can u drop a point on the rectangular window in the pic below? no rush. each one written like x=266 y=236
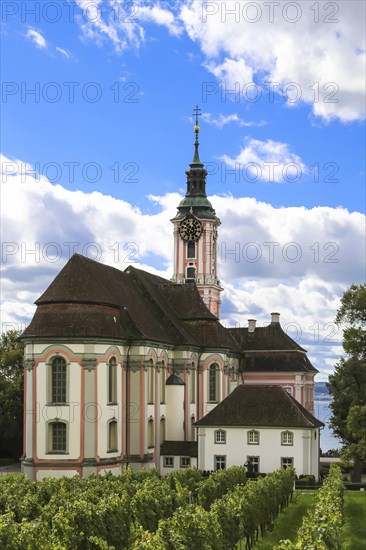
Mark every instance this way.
x=253 y=438
x=287 y=461
x=288 y=389
x=58 y=383
x=220 y=462
x=168 y=461
x=191 y=250
x=213 y=386
x=58 y=437
x=112 y=436
x=162 y=384
x=220 y=436
x=253 y=464
x=150 y=382
x=185 y=461
x=192 y=375
x=112 y=382
x=287 y=438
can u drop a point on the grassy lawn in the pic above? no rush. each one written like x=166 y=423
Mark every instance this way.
x=355 y=511
x=289 y=521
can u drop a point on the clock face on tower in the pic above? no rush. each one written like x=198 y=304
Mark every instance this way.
x=190 y=229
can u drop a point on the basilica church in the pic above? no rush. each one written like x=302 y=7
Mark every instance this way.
x=125 y=368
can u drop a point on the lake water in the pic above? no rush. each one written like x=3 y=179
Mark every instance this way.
x=327 y=439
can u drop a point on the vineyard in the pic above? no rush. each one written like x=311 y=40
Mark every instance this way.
x=323 y=527
x=180 y=511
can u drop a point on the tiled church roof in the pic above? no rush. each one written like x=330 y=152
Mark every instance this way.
x=260 y=406
x=90 y=299
x=270 y=349
x=264 y=338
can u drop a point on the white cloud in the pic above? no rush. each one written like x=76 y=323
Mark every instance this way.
x=267 y=161
x=122 y=22
x=306 y=292
x=160 y=16
x=322 y=53
x=221 y=120
x=37 y=38
x=63 y=52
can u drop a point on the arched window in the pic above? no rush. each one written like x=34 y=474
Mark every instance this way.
x=112 y=436
x=191 y=273
x=112 y=381
x=57 y=437
x=150 y=433
x=58 y=380
x=192 y=385
x=193 y=428
x=220 y=436
x=287 y=438
x=253 y=437
x=213 y=383
x=162 y=382
x=162 y=430
x=150 y=382
x=191 y=250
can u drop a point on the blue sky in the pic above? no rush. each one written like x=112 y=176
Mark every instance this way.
x=301 y=161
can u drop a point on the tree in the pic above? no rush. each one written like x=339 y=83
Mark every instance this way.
x=11 y=395
x=347 y=385
x=353 y=313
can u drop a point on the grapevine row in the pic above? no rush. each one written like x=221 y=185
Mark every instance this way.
x=323 y=527
x=100 y=512
x=239 y=514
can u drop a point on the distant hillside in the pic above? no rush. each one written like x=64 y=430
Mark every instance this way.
x=321 y=392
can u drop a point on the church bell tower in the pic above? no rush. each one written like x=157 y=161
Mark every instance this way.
x=195 y=235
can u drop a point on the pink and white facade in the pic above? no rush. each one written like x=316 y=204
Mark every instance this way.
x=103 y=345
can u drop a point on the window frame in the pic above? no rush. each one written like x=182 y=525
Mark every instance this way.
x=287 y=443
x=162 y=383
x=150 y=433
x=216 y=459
x=50 y=437
x=255 y=433
x=150 y=383
x=251 y=463
x=112 y=382
x=191 y=270
x=217 y=432
x=162 y=429
x=192 y=385
x=213 y=368
x=191 y=244
x=165 y=458
x=182 y=458
x=284 y=458
x=52 y=366
x=112 y=437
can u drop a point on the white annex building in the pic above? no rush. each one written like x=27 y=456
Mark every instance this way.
x=125 y=368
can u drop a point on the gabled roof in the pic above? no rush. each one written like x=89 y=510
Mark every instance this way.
x=259 y=406
x=179 y=448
